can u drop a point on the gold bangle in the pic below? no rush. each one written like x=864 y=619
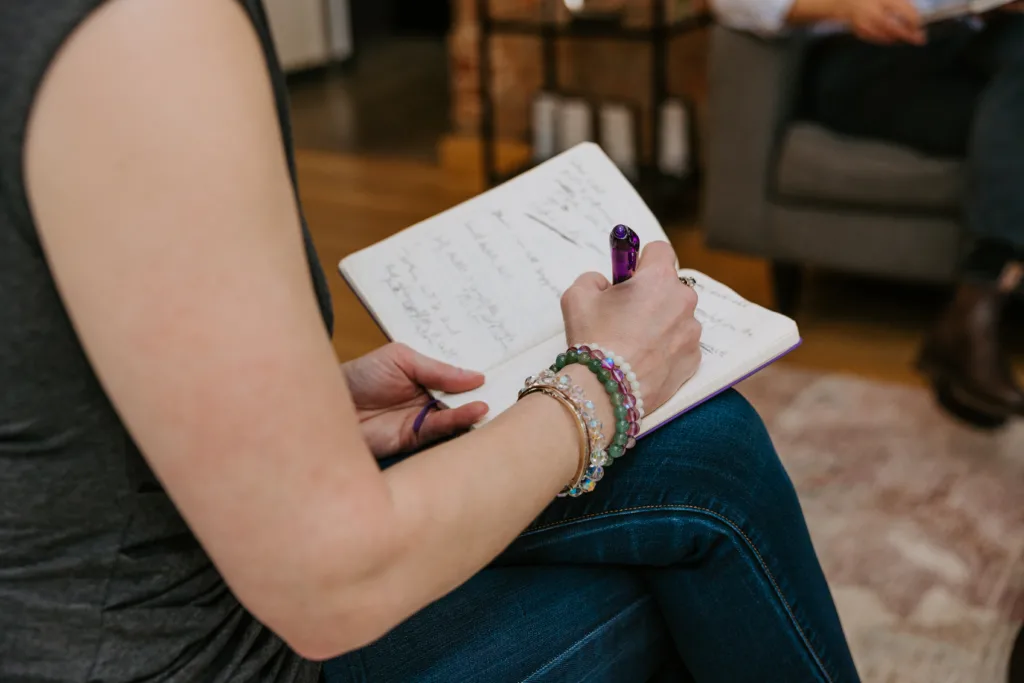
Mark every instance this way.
x=581 y=425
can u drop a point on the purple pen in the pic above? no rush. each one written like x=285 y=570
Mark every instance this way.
x=625 y=248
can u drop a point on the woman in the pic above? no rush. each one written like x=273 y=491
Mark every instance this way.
x=188 y=486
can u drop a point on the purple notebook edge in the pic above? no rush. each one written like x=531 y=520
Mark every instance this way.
x=722 y=390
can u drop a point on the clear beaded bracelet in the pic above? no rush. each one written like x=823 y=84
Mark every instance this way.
x=594 y=457
x=584 y=435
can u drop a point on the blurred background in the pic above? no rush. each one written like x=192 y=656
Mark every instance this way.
x=918 y=516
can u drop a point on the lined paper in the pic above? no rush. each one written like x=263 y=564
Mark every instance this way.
x=482 y=282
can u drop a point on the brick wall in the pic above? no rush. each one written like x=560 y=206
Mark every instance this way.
x=610 y=69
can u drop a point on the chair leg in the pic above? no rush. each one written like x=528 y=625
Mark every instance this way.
x=1016 y=673
x=787 y=284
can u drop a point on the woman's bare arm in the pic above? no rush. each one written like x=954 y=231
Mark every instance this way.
x=159 y=185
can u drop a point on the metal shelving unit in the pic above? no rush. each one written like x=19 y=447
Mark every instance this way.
x=665 y=193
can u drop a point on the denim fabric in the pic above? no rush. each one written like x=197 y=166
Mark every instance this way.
x=960 y=95
x=690 y=562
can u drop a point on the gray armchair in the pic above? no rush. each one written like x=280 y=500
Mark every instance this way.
x=800 y=195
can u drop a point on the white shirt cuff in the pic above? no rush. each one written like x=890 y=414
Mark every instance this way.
x=766 y=17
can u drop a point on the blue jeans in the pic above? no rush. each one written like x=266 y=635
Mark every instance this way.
x=690 y=562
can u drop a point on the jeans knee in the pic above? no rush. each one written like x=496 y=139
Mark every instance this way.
x=726 y=428
x=722 y=454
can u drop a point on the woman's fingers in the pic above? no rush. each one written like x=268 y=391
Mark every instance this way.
x=437 y=375
x=889 y=21
x=905 y=13
x=900 y=21
x=657 y=254
x=592 y=281
x=440 y=424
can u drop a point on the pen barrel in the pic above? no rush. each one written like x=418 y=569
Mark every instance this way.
x=625 y=246
x=623 y=265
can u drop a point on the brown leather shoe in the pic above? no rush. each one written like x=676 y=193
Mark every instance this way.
x=967 y=362
x=1016 y=673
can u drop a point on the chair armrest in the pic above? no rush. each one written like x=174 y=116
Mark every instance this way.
x=753 y=90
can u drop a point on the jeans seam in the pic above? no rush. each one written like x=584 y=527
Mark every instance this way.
x=588 y=636
x=728 y=522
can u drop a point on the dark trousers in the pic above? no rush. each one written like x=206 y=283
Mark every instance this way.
x=690 y=562
x=960 y=95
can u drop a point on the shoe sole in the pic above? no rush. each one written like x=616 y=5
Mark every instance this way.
x=961 y=403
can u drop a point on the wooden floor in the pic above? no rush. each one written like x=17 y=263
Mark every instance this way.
x=352 y=202
x=866 y=327
x=393 y=101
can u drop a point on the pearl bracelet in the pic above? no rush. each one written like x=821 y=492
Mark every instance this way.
x=629 y=376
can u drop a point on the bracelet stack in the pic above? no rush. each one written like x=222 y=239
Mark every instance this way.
x=593 y=456
x=623 y=389
x=621 y=385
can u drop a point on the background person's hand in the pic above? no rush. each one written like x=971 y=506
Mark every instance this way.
x=389 y=387
x=883 y=21
x=648 y=320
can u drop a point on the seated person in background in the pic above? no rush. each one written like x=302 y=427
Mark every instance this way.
x=954 y=89
x=190 y=487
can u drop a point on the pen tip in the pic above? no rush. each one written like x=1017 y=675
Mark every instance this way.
x=620 y=231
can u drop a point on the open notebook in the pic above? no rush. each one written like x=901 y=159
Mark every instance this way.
x=479 y=285
x=938 y=10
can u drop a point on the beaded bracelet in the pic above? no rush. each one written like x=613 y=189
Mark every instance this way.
x=574 y=483
x=593 y=456
x=575 y=394
x=622 y=386
x=628 y=381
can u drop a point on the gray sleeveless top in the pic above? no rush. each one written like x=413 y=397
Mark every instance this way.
x=100 y=579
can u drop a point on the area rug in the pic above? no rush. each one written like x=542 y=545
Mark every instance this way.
x=918 y=522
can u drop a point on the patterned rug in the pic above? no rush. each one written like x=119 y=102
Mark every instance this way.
x=918 y=522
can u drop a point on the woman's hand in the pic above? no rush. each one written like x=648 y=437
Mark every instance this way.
x=883 y=21
x=647 y=319
x=389 y=387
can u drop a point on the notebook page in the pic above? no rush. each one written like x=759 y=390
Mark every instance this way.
x=737 y=338
x=501 y=389
x=481 y=283
x=934 y=10
x=982 y=6
x=937 y=10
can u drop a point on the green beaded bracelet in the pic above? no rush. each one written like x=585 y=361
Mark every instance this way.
x=574 y=356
